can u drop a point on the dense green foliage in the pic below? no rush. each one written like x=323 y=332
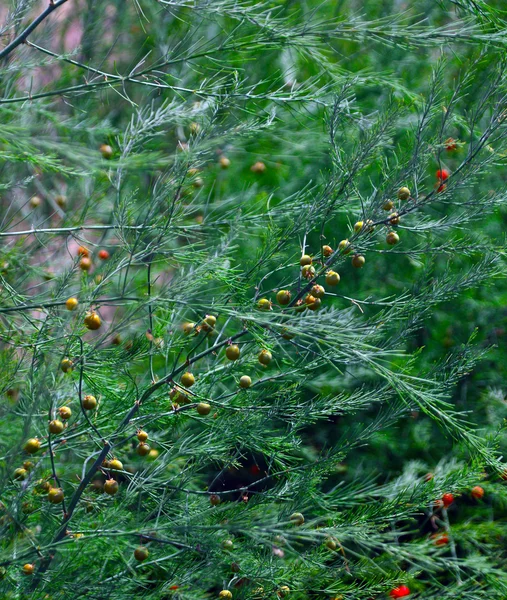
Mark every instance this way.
x=167 y=164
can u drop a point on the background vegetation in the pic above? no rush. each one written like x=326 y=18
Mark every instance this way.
x=167 y=164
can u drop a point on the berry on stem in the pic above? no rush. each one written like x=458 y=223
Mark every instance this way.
x=297 y=518
x=306 y=259
x=20 y=474
x=214 y=499
x=283 y=297
x=66 y=365
x=115 y=465
x=106 y=151
x=332 y=278
x=71 y=303
x=258 y=167
x=477 y=492
x=358 y=226
x=141 y=553
x=394 y=218
x=225 y=595
x=358 y=261
x=89 y=402
x=447 y=499
x=103 y=254
x=187 y=379
x=32 y=446
x=312 y=303
x=264 y=304
x=400 y=592
x=55 y=495
x=143 y=449
x=28 y=569
x=203 y=408
x=308 y=271
x=327 y=251
x=388 y=205
x=317 y=291
x=392 y=238
x=92 y=321
x=403 y=193
x=142 y=436
x=85 y=264
x=232 y=352
x=111 y=487
x=56 y=426
x=265 y=357
x=245 y=381
x=345 y=247
x=442 y=174
x=209 y=323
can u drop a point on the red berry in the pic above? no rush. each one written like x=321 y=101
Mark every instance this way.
x=442 y=174
x=400 y=592
x=447 y=499
x=103 y=254
x=440 y=539
x=450 y=144
x=477 y=492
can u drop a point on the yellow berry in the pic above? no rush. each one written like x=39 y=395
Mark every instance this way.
x=245 y=381
x=89 y=402
x=305 y=260
x=55 y=495
x=392 y=238
x=317 y=291
x=66 y=365
x=187 y=379
x=92 y=320
x=404 y=193
x=332 y=278
x=297 y=518
x=283 y=297
x=358 y=226
x=142 y=436
x=265 y=357
x=345 y=247
x=32 y=446
x=388 y=205
x=264 y=304
x=358 y=261
x=71 y=303
x=116 y=465
x=308 y=271
x=143 y=449
x=56 y=426
x=327 y=251
x=111 y=487
x=232 y=352
x=203 y=408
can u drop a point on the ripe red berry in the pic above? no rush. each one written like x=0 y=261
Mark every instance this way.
x=400 y=592
x=477 y=492
x=442 y=174
x=440 y=539
x=447 y=499
x=103 y=254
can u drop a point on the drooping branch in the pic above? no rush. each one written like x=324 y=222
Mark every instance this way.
x=24 y=34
